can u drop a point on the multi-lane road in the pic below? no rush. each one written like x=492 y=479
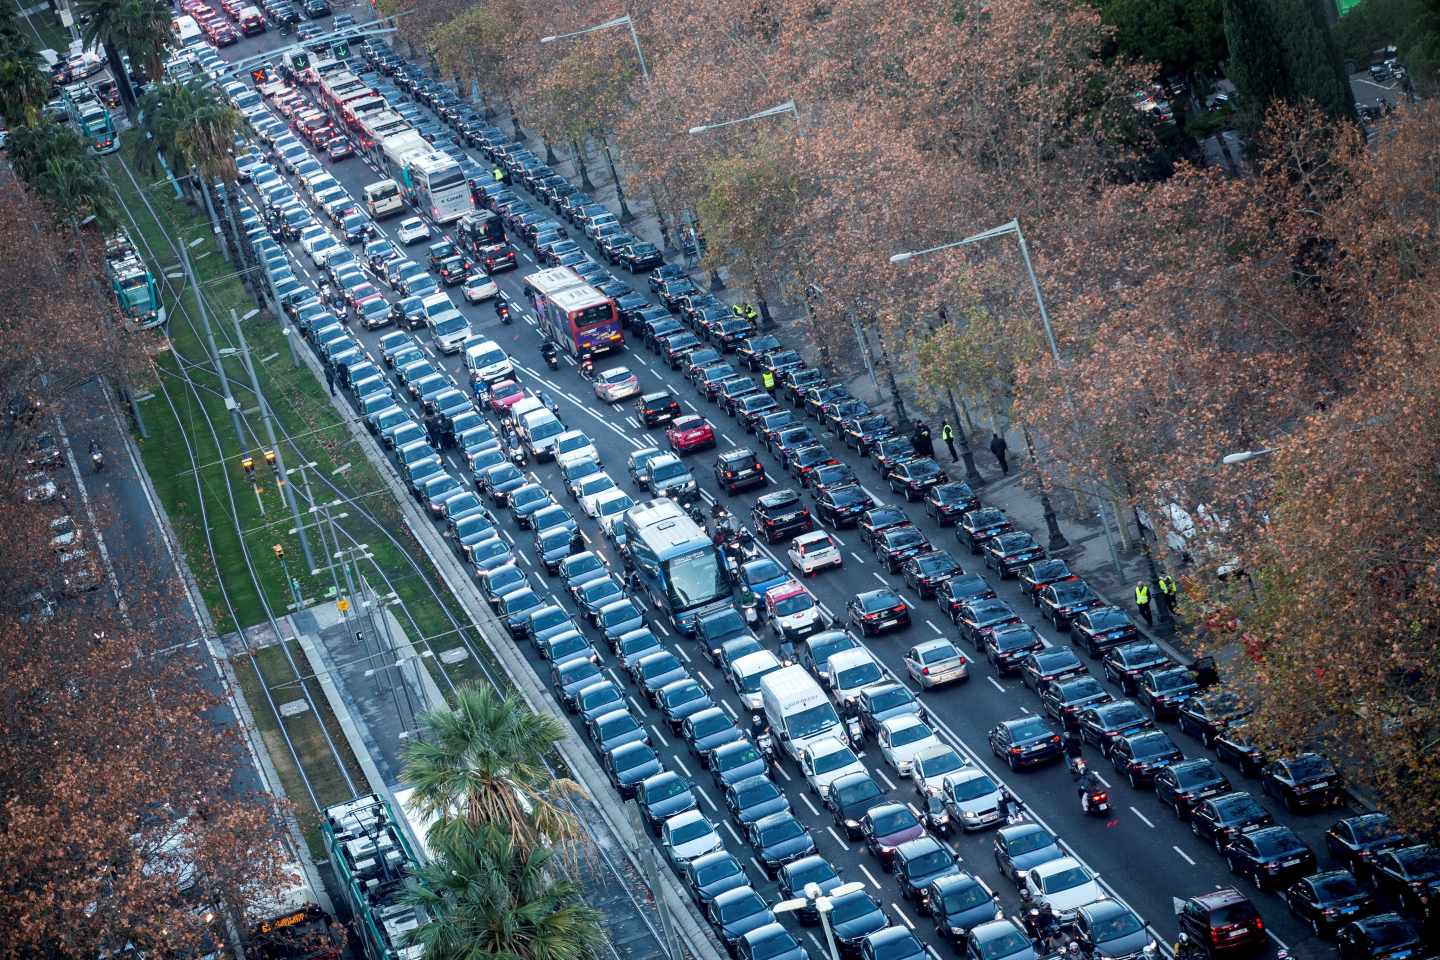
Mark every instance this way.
x=1141 y=853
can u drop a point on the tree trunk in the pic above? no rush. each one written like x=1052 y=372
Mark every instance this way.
x=122 y=81
x=585 y=182
x=210 y=217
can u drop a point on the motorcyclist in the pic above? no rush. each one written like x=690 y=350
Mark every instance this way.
x=502 y=310
x=587 y=365
x=1187 y=949
x=1091 y=787
x=549 y=351
x=1074 y=756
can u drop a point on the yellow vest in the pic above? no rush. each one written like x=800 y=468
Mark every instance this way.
x=1142 y=594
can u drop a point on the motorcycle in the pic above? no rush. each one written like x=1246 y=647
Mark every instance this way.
x=551 y=353
x=935 y=816
x=1078 y=767
x=855 y=731
x=1095 y=800
x=518 y=457
x=502 y=310
x=96 y=457
x=750 y=609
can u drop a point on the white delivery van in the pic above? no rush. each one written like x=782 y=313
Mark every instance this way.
x=382 y=199
x=488 y=362
x=797 y=709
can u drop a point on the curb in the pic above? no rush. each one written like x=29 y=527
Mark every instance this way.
x=697 y=937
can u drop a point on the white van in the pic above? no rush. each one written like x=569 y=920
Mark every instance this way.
x=488 y=362
x=435 y=304
x=797 y=709
x=186 y=31
x=747 y=673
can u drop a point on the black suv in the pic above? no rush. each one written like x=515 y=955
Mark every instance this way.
x=779 y=515
x=739 y=469
x=658 y=408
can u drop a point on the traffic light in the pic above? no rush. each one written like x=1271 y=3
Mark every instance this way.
x=279 y=551
x=270 y=459
x=260 y=75
x=341 y=50
x=247 y=463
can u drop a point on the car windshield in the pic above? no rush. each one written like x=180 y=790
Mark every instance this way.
x=932 y=862
x=1122 y=715
x=1080 y=689
x=1065 y=879
x=973 y=788
x=834 y=760
x=630 y=759
x=878 y=600
x=1151 y=745
x=757 y=793
x=1238 y=807
x=695 y=579
x=1277 y=843
x=1029 y=728
x=1420 y=863
x=1371 y=828
x=1390 y=934
x=1310 y=767
x=787 y=828
x=718 y=870
x=1115 y=926
x=893 y=820
x=619 y=613
x=889 y=699
x=914 y=733
x=693 y=830
x=964 y=897
x=851 y=907
x=668 y=471
x=1006 y=944
x=858 y=675
x=741 y=907
x=1029 y=842
x=796 y=604
x=1024 y=637
x=814 y=720
x=621 y=723
x=737 y=758
x=1108 y=619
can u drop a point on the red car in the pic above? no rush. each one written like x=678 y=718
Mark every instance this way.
x=505 y=395
x=690 y=433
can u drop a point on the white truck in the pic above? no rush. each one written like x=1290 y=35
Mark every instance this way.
x=797 y=710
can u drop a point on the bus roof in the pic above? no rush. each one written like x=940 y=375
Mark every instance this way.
x=665 y=528
x=578 y=298
x=430 y=162
x=554 y=279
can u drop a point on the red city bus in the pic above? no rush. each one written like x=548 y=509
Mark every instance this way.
x=573 y=314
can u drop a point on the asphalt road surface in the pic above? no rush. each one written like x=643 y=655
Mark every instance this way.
x=1141 y=852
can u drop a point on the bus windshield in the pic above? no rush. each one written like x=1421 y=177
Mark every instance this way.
x=589 y=316
x=695 y=579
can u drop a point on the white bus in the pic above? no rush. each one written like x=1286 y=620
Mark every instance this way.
x=439 y=187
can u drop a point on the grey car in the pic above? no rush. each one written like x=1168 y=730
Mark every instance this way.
x=1108 y=930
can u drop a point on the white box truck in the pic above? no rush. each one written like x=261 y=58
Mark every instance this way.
x=798 y=711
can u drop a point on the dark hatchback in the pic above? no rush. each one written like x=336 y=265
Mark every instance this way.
x=842 y=506
x=961 y=590
x=978 y=526
x=1064 y=699
x=1140 y=756
x=658 y=408
x=948 y=502
x=1125 y=664
x=853 y=917
x=1163 y=690
x=779 y=515
x=1220 y=819
x=778 y=839
x=1008 y=646
x=1104 y=723
x=926 y=572
x=958 y=903
x=1042 y=573
x=711 y=875
x=875 y=611
x=1102 y=629
x=1024 y=742
x=739 y=469
x=1303 y=782
x=893 y=547
x=1326 y=901
x=1184 y=785
x=1008 y=552
x=1062 y=602
x=1223 y=921
x=1270 y=857
x=850 y=797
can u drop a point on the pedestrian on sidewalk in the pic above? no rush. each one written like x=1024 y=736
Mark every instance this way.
x=330 y=380
x=921 y=440
x=999 y=447
x=1169 y=592
x=1142 y=602
x=947 y=433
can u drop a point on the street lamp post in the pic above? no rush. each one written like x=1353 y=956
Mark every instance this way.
x=823 y=904
x=1052 y=524
x=716 y=283
x=623 y=21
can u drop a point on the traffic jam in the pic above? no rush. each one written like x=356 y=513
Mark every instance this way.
x=813 y=660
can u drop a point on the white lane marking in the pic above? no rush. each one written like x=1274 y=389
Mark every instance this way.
x=908 y=922
x=869 y=876
x=683 y=655
x=831 y=831
x=781 y=770
x=732 y=831
x=1183 y=855
x=889 y=784
x=708 y=802
x=725 y=705
x=858 y=558
x=1143 y=819
x=805 y=797
x=706 y=680
x=931 y=625
x=996 y=684
x=681 y=764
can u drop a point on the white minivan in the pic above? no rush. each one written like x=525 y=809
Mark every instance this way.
x=488 y=362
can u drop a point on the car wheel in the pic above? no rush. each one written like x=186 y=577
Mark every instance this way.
x=1134 y=781
x=1010 y=762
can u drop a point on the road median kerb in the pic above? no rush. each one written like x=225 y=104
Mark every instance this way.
x=695 y=935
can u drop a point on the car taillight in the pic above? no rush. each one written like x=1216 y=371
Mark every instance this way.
x=898 y=608
x=1101 y=797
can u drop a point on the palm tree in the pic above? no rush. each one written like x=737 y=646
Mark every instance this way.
x=139 y=28
x=193 y=128
x=485 y=895
x=57 y=164
x=483 y=761
x=24 y=87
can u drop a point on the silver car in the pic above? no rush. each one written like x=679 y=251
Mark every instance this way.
x=936 y=662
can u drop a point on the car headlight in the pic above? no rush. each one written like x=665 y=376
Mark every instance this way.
x=852 y=824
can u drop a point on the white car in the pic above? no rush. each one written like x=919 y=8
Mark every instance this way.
x=478 y=287
x=851 y=671
x=903 y=737
x=590 y=490
x=932 y=765
x=412 y=230
x=813 y=551
x=322 y=247
x=616 y=384
x=687 y=836
x=1064 y=884
x=312 y=235
x=972 y=799
x=825 y=761
x=575 y=442
x=746 y=673
x=792 y=611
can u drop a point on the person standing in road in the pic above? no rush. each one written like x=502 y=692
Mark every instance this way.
x=767 y=380
x=999 y=448
x=1142 y=602
x=947 y=433
x=498 y=175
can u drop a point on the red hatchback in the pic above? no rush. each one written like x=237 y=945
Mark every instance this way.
x=690 y=433
x=505 y=395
